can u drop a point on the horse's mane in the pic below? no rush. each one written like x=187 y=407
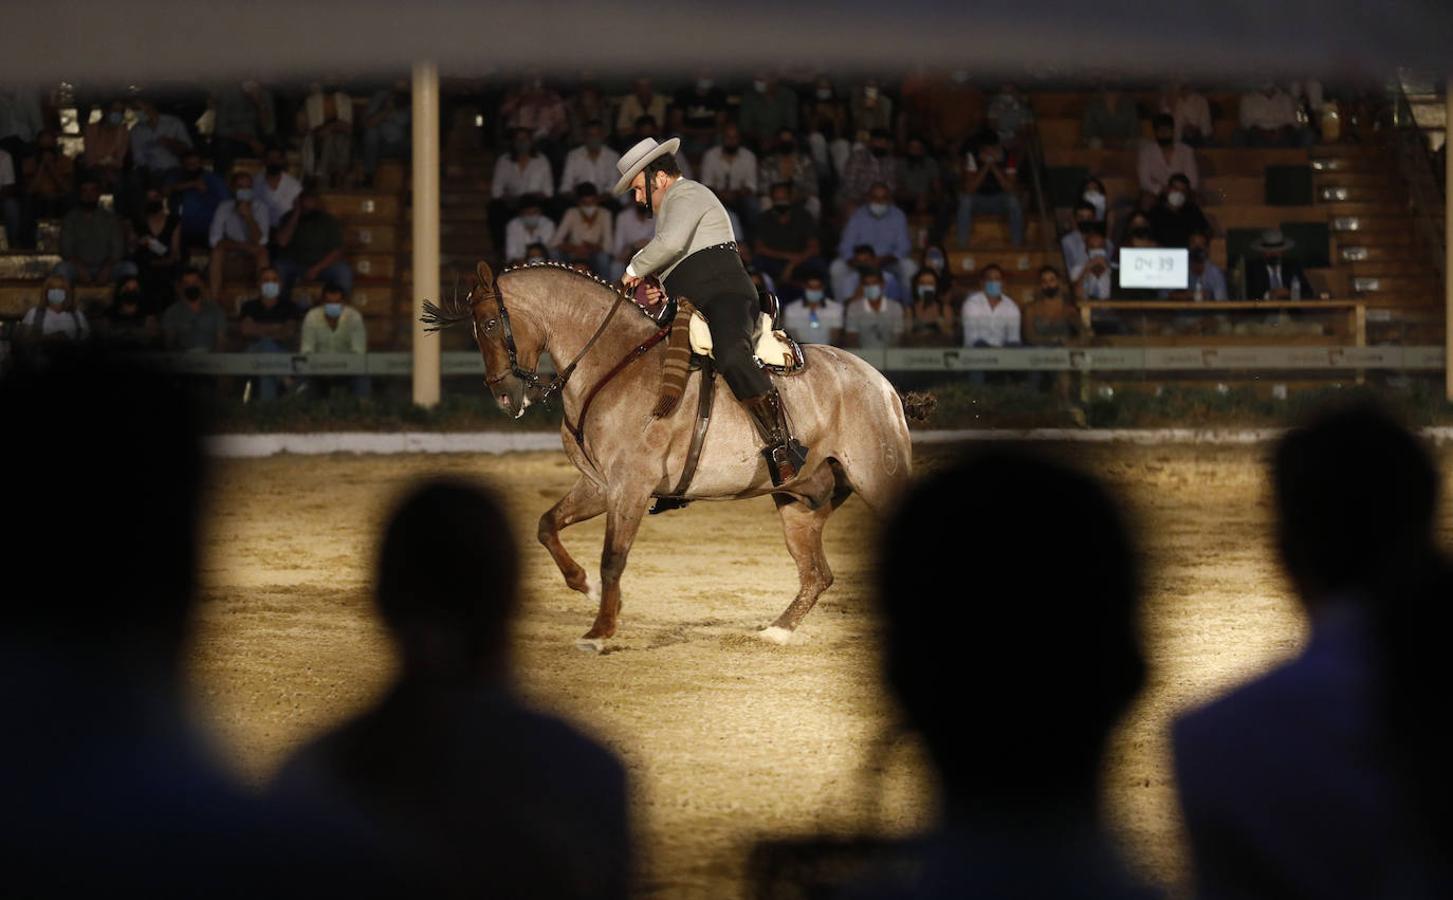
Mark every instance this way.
x=453 y=310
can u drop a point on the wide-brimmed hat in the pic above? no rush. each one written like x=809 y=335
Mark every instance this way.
x=1271 y=239
x=640 y=156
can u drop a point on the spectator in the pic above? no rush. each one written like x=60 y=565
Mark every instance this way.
x=1111 y=120
x=1094 y=279
x=509 y=802
x=844 y=275
x=932 y=321
x=589 y=105
x=523 y=172
x=245 y=122
x=633 y=230
x=584 y=235
x=194 y=322
x=531 y=226
x=334 y=326
x=128 y=323
x=326 y=122
x=50 y=180
x=698 y=114
x=92 y=250
x=871 y=320
x=591 y=163
x=730 y=170
x=1269 y=119
x=108 y=144
x=239 y=228
x=1176 y=215
x=884 y=228
x=920 y=187
x=990 y=317
x=21 y=122
x=641 y=101
x=539 y=112
x=269 y=324
x=158 y=143
x=1191 y=113
x=277 y=190
x=55 y=319
x=816 y=318
x=955 y=110
x=1009 y=115
x=536 y=252
x=1050 y=321
x=9 y=199
x=827 y=128
x=195 y=195
x=786 y=246
x=766 y=111
x=310 y=246
x=989 y=185
x=1308 y=805
x=1275 y=276
x=871 y=109
x=157 y=251
x=867 y=166
x=788 y=163
x=1206 y=281
x=1019 y=792
x=387 y=127
x=1137 y=225
x=1157 y=161
x=1074 y=245
x=1093 y=192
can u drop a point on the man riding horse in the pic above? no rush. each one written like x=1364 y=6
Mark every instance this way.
x=694 y=255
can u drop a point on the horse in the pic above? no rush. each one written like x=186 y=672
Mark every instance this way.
x=843 y=409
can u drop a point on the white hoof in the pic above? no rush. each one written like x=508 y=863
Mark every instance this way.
x=590 y=645
x=775 y=635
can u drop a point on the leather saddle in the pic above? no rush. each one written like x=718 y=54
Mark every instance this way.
x=777 y=352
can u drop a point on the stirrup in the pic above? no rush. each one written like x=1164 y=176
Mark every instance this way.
x=784 y=461
x=666 y=504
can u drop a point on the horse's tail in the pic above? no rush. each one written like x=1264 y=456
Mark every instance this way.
x=918 y=406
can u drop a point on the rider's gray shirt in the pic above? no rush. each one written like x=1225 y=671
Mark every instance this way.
x=690 y=218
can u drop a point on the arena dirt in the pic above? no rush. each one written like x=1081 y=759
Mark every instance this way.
x=727 y=739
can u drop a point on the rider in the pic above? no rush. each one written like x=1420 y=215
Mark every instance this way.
x=694 y=254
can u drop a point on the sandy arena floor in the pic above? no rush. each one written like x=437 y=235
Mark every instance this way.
x=727 y=739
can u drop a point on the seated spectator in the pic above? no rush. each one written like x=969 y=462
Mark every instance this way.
x=1309 y=804
x=641 y=101
x=698 y=114
x=239 y=229
x=269 y=324
x=1268 y=118
x=844 y=274
x=584 y=235
x=588 y=104
x=536 y=252
x=934 y=259
x=872 y=110
x=1111 y=120
x=990 y=185
x=591 y=163
x=1009 y=115
x=786 y=238
x=276 y=190
x=1140 y=235
x=990 y=317
x=50 y=178
x=10 y=211
x=195 y=194
x=1050 y=319
x=633 y=230
x=523 y=172
x=310 y=247
x=1177 y=215
x=56 y=318
x=1271 y=274
x=1136 y=223
x=1157 y=161
x=92 y=249
x=882 y=227
x=1191 y=113
x=826 y=121
x=108 y=146
x=387 y=127
x=335 y=326
x=871 y=320
x=506 y=801
x=1073 y=244
x=730 y=170
x=866 y=167
x=788 y=163
x=1094 y=279
x=194 y=322
x=816 y=318
x=157 y=251
x=767 y=110
x=244 y=122
x=921 y=188
x=1206 y=281
x=158 y=143
x=932 y=320
x=326 y=123
x=128 y=324
x=531 y=226
x=1093 y=192
x=535 y=108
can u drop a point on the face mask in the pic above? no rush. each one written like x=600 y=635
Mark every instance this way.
x=824 y=93
x=1095 y=199
x=870 y=93
x=154 y=206
x=781 y=209
x=192 y=293
x=1098 y=253
x=704 y=84
x=530 y=221
x=522 y=147
x=813 y=295
x=960 y=76
x=934 y=261
x=759 y=86
x=927 y=292
x=878 y=209
x=271 y=289
x=729 y=149
x=1198 y=254
x=56 y=296
x=244 y=195
x=1050 y=293
x=873 y=291
x=132 y=298
x=274 y=168
x=1085 y=227
x=333 y=310
x=1164 y=141
x=1140 y=233
x=588 y=211
x=114 y=118
x=593 y=143
x=993 y=288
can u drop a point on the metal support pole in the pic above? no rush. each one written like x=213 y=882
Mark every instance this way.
x=426 y=229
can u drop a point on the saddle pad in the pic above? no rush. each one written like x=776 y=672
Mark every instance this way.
x=774 y=348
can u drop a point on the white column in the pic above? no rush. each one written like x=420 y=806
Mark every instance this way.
x=1448 y=241
x=426 y=229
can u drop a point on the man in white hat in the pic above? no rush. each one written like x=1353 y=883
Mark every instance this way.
x=1273 y=276
x=694 y=254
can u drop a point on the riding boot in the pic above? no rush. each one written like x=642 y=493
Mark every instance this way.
x=785 y=456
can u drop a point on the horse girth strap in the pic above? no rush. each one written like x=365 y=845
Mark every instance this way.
x=578 y=429
x=698 y=433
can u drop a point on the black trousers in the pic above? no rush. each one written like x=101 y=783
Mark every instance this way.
x=715 y=281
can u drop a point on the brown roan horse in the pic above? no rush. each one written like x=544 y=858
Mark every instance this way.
x=842 y=408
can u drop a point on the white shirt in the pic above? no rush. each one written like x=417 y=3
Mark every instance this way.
x=519 y=236
x=1155 y=170
x=879 y=327
x=1193 y=110
x=729 y=173
x=147 y=150
x=580 y=168
x=632 y=228
x=510 y=181
x=997 y=326
x=576 y=229
x=1271 y=113
x=813 y=325
x=279 y=201
x=227 y=223
x=7 y=170
x=62 y=322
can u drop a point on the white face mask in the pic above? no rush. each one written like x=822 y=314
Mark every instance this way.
x=1175 y=199
x=759 y=86
x=824 y=93
x=1097 y=200
x=55 y=296
x=878 y=209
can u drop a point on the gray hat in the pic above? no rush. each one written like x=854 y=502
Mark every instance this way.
x=634 y=160
x=1271 y=239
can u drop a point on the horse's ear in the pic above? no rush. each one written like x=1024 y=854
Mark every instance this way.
x=485 y=275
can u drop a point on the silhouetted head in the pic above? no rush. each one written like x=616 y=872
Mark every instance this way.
x=448 y=580
x=1011 y=642
x=1355 y=497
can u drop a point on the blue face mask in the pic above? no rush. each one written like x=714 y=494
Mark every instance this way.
x=873 y=291
x=115 y=118
x=813 y=295
x=333 y=310
x=271 y=289
x=244 y=194
x=993 y=288
x=56 y=296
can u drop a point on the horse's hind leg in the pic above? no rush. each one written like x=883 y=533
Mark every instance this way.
x=803 y=529
x=585 y=500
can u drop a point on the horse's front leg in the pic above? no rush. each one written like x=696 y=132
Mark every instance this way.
x=625 y=508
x=585 y=500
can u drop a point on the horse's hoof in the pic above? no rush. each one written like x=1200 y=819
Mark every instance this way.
x=776 y=635
x=591 y=645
